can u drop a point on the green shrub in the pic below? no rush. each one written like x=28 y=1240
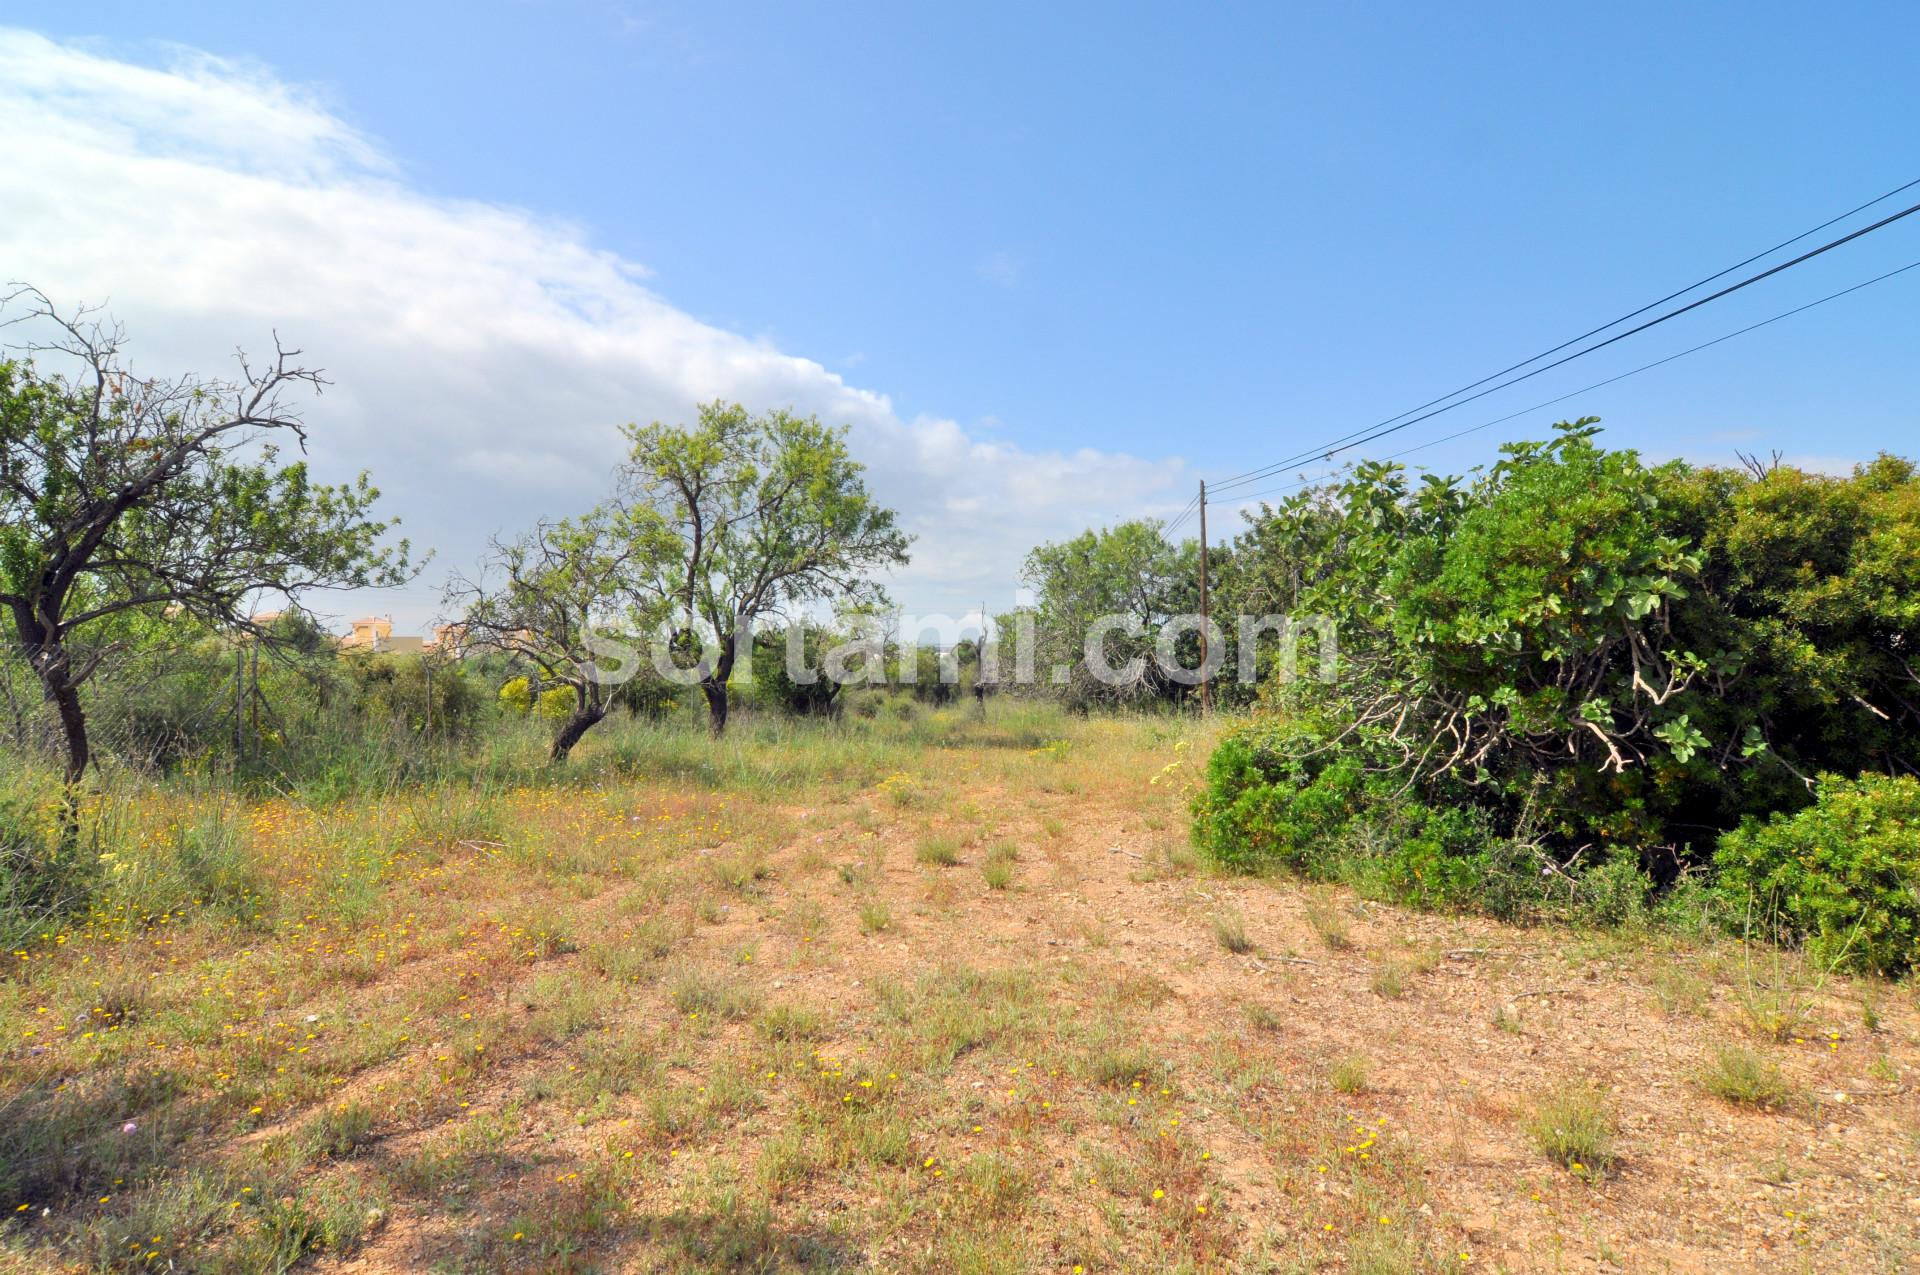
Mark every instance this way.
x=1263 y=807
x=1841 y=876
x=555 y=704
x=517 y=694
x=1266 y=805
x=1614 y=892
x=1592 y=651
x=416 y=693
x=1430 y=857
x=1741 y=1076
x=43 y=875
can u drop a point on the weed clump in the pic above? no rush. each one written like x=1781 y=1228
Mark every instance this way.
x=1573 y=1126
x=940 y=850
x=1230 y=932
x=1739 y=1075
x=1349 y=1074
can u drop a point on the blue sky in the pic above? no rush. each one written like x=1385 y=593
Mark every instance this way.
x=1201 y=240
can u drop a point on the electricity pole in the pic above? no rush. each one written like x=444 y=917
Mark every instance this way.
x=1206 y=696
x=980 y=665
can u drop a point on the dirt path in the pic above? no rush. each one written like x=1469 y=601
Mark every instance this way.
x=1457 y=1024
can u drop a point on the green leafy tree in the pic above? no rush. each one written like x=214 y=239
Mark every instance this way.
x=1810 y=592
x=123 y=495
x=1508 y=638
x=1539 y=624
x=557 y=599
x=1130 y=572
x=812 y=693
x=762 y=513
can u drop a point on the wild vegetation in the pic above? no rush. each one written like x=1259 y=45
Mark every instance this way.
x=1574 y=682
x=323 y=956
x=120 y=496
x=903 y=991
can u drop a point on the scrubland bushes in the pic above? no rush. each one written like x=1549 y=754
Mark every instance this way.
x=1564 y=678
x=1843 y=874
x=43 y=873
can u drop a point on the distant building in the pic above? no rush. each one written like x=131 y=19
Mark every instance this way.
x=374 y=634
x=449 y=639
x=368 y=634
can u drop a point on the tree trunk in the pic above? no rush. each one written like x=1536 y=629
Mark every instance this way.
x=583 y=720
x=55 y=670
x=716 y=692
x=73 y=724
x=53 y=665
x=714 y=686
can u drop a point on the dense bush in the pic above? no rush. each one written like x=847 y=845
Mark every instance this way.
x=1570 y=672
x=1271 y=803
x=1268 y=803
x=1842 y=875
x=819 y=697
x=415 y=693
x=1627 y=657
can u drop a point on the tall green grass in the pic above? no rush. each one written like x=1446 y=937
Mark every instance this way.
x=149 y=845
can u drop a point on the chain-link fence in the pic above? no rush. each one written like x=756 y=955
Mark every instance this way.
x=234 y=703
x=146 y=707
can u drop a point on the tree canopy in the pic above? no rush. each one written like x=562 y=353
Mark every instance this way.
x=1131 y=572
x=759 y=513
x=1607 y=651
x=123 y=494
x=554 y=596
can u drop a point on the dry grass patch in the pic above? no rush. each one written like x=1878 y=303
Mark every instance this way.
x=1230 y=932
x=1573 y=1125
x=1328 y=919
x=1740 y=1075
x=697 y=993
x=1390 y=978
x=1349 y=1073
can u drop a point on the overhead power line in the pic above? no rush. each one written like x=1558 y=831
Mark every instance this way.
x=1186 y=512
x=1644 y=367
x=1634 y=314
x=1389 y=426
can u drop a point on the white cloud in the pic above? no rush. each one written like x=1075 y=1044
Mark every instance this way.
x=481 y=356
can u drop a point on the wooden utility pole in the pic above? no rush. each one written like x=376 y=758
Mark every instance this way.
x=980 y=665
x=1206 y=695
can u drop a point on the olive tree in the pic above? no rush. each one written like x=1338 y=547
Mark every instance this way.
x=764 y=512
x=123 y=495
